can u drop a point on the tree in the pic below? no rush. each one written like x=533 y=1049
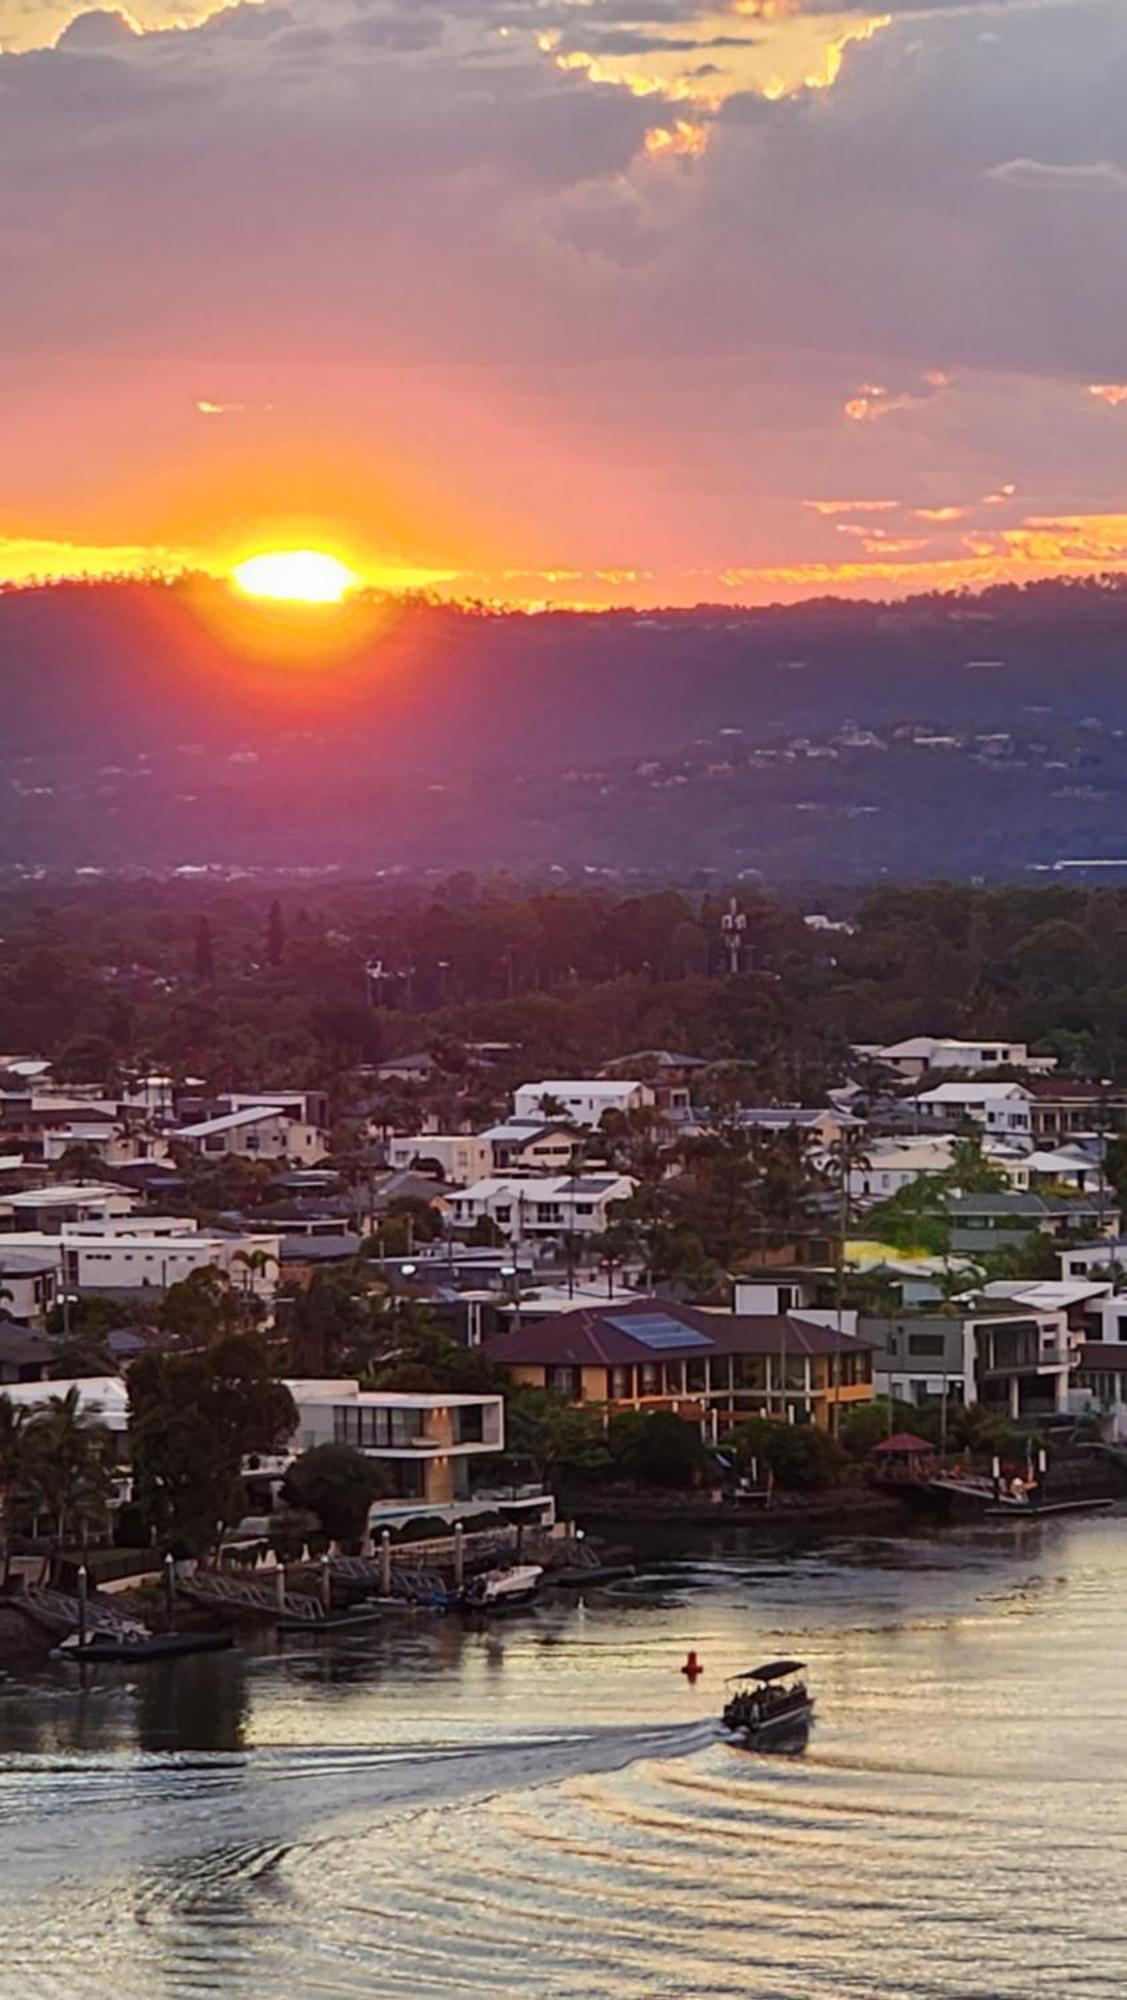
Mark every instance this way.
x=13 y=1468
x=69 y=1467
x=79 y=1162
x=338 y=1484
x=203 y=954
x=656 y=1448
x=275 y=935
x=193 y=1420
x=798 y=1455
x=201 y=1308
x=562 y=1440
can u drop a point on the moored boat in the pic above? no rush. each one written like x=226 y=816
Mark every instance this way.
x=501 y=1590
x=775 y=1710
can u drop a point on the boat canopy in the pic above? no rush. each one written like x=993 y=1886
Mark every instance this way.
x=773 y=1670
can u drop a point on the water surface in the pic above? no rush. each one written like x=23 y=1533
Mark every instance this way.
x=545 y=1809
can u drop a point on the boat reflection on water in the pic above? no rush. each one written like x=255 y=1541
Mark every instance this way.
x=775 y=1711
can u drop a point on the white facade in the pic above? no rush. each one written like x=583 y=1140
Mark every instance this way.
x=120 y=1263
x=460 y=1156
x=1084 y=1259
x=549 y=1205
x=584 y=1099
x=765 y=1297
x=1001 y=1108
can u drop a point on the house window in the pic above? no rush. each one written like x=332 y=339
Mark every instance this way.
x=620 y=1384
x=696 y=1377
x=564 y=1382
x=651 y=1378
x=926 y=1343
x=503 y=1214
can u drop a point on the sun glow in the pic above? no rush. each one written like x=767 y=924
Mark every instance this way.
x=300 y=576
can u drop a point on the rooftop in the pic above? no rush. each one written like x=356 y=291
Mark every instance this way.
x=231 y=1121
x=612 y=1335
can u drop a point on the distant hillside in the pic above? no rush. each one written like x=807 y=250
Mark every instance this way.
x=148 y=725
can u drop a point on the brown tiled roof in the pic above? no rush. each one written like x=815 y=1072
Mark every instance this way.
x=592 y=1338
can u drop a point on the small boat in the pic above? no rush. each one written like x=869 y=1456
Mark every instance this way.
x=142 y=1646
x=500 y=1590
x=775 y=1711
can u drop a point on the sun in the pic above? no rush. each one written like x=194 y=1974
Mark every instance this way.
x=301 y=576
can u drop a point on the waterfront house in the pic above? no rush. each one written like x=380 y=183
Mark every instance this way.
x=656 y=1354
x=425 y=1445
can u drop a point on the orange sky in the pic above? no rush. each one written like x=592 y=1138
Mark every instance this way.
x=585 y=303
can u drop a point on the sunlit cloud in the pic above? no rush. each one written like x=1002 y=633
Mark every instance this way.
x=876 y=400
x=940 y=516
x=1000 y=496
x=831 y=507
x=1114 y=394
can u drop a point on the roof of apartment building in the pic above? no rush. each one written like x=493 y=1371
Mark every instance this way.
x=658 y=1329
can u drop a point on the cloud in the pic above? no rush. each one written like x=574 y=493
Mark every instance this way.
x=1056 y=177
x=831 y=507
x=1114 y=394
x=492 y=306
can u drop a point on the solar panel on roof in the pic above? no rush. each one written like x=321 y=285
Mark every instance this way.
x=657 y=1330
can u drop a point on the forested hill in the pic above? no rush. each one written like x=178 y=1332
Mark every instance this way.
x=172 y=726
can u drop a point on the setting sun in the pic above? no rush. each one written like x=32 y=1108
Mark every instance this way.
x=302 y=576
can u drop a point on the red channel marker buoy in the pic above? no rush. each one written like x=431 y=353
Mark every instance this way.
x=692 y=1667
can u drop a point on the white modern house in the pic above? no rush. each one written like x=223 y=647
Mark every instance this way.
x=1000 y=1108
x=425 y=1444
x=542 y=1205
x=582 y=1100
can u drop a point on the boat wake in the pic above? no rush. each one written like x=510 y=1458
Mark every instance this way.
x=91 y=1809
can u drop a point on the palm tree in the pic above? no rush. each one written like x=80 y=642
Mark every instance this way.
x=847 y=1156
x=71 y=1460
x=952 y=1283
x=13 y=1467
x=255 y=1264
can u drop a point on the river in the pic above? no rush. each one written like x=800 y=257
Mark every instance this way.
x=545 y=1809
